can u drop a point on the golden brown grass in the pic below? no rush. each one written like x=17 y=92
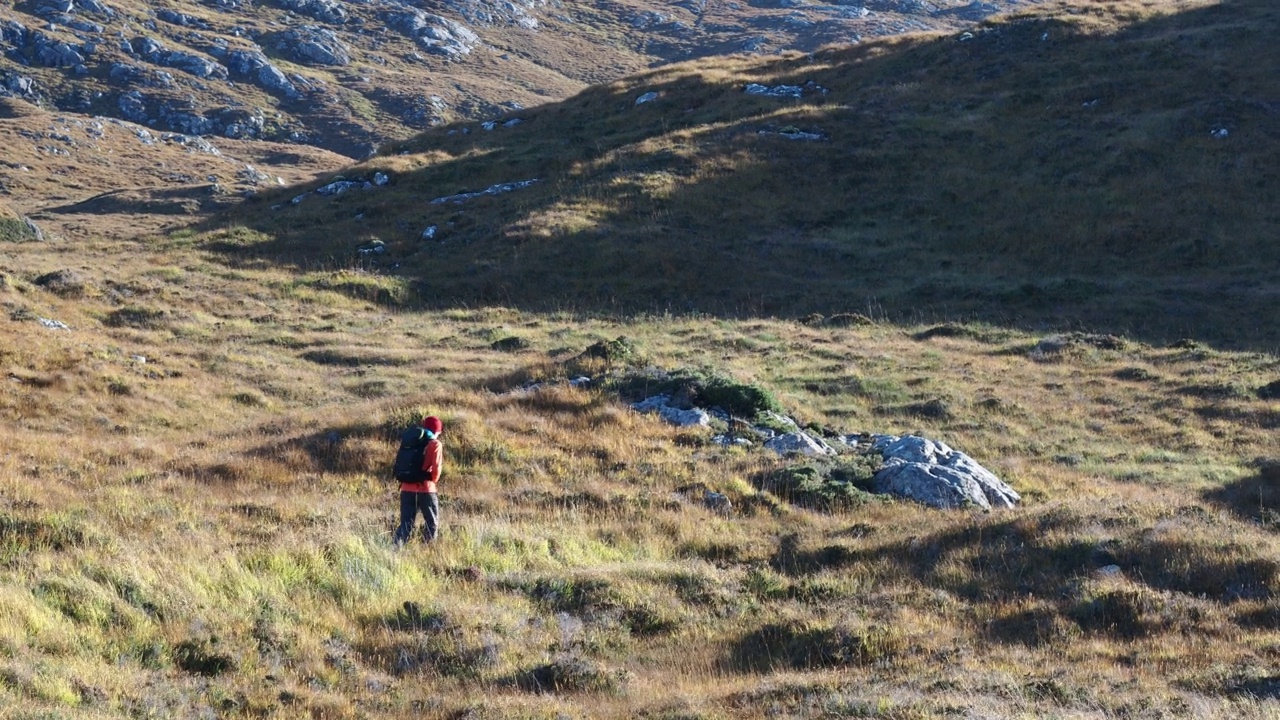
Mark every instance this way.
x=208 y=530
x=1068 y=181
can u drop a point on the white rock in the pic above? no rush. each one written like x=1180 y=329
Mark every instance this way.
x=380 y=179
x=54 y=324
x=801 y=443
x=1109 y=570
x=647 y=97
x=675 y=416
x=429 y=233
x=931 y=473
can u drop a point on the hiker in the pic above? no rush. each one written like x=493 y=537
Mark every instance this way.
x=418 y=488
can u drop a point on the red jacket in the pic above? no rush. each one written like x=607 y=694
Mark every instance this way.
x=432 y=461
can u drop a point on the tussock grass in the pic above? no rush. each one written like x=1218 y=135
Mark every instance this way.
x=195 y=516
x=226 y=523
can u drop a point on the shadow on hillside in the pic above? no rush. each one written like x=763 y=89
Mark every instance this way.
x=1057 y=580
x=184 y=200
x=1255 y=498
x=1031 y=175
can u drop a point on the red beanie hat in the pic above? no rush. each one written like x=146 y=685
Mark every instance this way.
x=433 y=424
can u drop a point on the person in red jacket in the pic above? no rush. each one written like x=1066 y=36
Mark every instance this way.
x=421 y=496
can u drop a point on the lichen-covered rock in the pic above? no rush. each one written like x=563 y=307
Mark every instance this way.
x=932 y=473
x=314 y=45
x=53 y=53
x=660 y=404
x=800 y=443
x=256 y=66
x=133 y=107
x=498 y=12
x=435 y=34
x=324 y=10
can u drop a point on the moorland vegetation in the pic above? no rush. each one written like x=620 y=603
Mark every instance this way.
x=195 y=516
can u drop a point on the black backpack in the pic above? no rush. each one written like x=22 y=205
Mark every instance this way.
x=409 y=459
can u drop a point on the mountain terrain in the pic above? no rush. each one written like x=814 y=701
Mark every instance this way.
x=1109 y=165
x=1046 y=238
x=348 y=76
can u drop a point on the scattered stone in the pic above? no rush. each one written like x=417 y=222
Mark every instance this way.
x=491 y=190
x=53 y=324
x=373 y=247
x=660 y=404
x=340 y=186
x=1109 y=571
x=800 y=443
x=435 y=34
x=324 y=10
x=580 y=382
x=498 y=12
x=256 y=65
x=429 y=233
x=793 y=91
x=183 y=19
x=380 y=179
x=718 y=503
x=313 y=45
x=1220 y=132
x=932 y=473
x=52 y=53
x=647 y=97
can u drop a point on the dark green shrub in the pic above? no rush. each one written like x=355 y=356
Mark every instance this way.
x=828 y=486
x=704 y=388
x=574 y=673
x=802 y=645
x=616 y=351
x=202 y=657
x=510 y=344
x=136 y=317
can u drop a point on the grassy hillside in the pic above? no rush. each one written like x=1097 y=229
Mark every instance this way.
x=379 y=73
x=194 y=516
x=196 y=426
x=1109 y=165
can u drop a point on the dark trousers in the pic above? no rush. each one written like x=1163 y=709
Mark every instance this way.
x=410 y=504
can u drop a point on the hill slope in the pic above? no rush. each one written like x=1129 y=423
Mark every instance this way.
x=347 y=76
x=1104 y=164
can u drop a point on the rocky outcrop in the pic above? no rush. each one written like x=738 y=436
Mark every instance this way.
x=497 y=12
x=800 y=443
x=680 y=417
x=154 y=52
x=323 y=10
x=256 y=66
x=930 y=472
x=183 y=19
x=435 y=34
x=313 y=45
x=55 y=53
x=498 y=189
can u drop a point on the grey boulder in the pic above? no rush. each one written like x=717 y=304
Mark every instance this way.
x=799 y=443
x=314 y=45
x=931 y=473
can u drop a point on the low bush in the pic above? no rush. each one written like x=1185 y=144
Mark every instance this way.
x=828 y=486
x=701 y=387
x=811 y=645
